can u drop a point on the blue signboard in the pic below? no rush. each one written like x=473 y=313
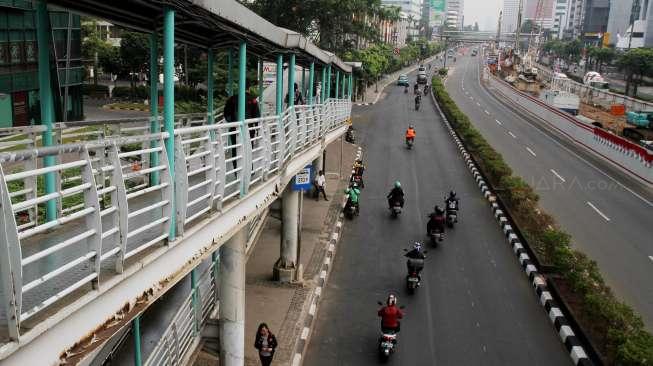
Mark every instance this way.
x=302 y=181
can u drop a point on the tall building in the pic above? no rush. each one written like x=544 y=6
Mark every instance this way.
x=455 y=14
x=19 y=87
x=642 y=35
x=560 y=15
x=509 y=19
x=413 y=11
x=619 y=19
x=575 y=19
x=395 y=32
x=595 y=22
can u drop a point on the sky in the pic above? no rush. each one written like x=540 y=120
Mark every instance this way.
x=485 y=12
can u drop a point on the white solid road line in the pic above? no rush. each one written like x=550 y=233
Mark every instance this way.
x=499 y=122
x=531 y=151
x=558 y=175
x=597 y=211
x=512 y=134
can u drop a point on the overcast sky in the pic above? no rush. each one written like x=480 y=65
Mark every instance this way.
x=485 y=12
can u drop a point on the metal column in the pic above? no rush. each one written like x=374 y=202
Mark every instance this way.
x=328 y=83
x=169 y=103
x=232 y=300
x=209 y=87
x=242 y=81
x=323 y=86
x=47 y=102
x=155 y=127
x=136 y=327
x=337 y=84
x=291 y=81
x=311 y=73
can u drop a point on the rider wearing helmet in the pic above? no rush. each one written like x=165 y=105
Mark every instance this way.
x=353 y=193
x=415 y=261
x=396 y=195
x=452 y=202
x=390 y=315
x=410 y=133
x=436 y=221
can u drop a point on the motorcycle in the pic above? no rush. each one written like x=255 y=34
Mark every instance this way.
x=387 y=341
x=395 y=210
x=426 y=89
x=417 y=105
x=436 y=235
x=351 y=211
x=349 y=136
x=412 y=278
x=452 y=217
x=409 y=143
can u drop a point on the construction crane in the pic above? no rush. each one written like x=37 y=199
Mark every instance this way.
x=534 y=41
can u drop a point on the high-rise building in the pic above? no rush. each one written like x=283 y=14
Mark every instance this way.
x=19 y=86
x=595 y=22
x=575 y=18
x=560 y=15
x=619 y=19
x=509 y=19
x=454 y=14
x=413 y=11
x=545 y=18
x=641 y=35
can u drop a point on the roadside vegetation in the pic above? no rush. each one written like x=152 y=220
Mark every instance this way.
x=612 y=325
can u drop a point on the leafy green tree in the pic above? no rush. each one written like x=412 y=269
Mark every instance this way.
x=636 y=63
x=93 y=46
x=601 y=56
x=135 y=54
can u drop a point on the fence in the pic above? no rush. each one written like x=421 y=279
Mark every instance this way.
x=624 y=153
x=118 y=197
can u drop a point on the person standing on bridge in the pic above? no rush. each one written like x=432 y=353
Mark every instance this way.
x=265 y=343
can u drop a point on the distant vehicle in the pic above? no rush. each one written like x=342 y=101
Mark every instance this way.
x=594 y=79
x=403 y=80
x=421 y=77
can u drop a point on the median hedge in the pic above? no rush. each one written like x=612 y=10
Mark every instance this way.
x=612 y=325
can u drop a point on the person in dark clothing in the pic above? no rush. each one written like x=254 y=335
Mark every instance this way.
x=396 y=195
x=230 y=113
x=265 y=343
x=415 y=261
x=299 y=100
x=436 y=221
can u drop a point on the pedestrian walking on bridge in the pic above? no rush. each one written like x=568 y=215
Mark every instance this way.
x=265 y=343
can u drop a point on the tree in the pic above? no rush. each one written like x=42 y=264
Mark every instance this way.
x=110 y=61
x=636 y=63
x=93 y=45
x=601 y=56
x=527 y=26
x=571 y=50
x=135 y=54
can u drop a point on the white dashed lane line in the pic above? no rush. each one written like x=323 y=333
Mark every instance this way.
x=531 y=151
x=486 y=112
x=598 y=211
x=558 y=175
x=512 y=134
x=498 y=122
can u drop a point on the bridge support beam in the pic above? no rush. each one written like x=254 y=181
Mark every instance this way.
x=232 y=300
x=287 y=268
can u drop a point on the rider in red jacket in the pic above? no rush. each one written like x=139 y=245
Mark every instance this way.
x=390 y=315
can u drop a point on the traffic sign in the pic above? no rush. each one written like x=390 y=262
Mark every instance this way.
x=302 y=181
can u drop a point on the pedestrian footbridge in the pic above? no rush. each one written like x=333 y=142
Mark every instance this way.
x=98 y=219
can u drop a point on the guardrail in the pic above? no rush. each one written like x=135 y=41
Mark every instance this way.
x=118 y=197
x=605 y=98
x=626 y=154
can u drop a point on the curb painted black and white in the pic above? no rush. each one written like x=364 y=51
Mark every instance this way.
x=567 y=336
x=327 y=265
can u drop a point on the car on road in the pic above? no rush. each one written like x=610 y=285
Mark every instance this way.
x=403 y=80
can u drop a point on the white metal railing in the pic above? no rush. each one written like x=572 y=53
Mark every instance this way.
x=182 y=335
x=116 y=198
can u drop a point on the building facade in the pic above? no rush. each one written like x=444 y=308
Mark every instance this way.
x=595 y=23
x=395 y=32
x=509 y=17
x=641 y=35
x=413 y=11
x=545 y=18
x=560 y=15
x=455 y=14
x=19 y=87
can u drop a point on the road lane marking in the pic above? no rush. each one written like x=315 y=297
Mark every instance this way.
x=650 y=257
x=598 y=211
x=470 y=97
x=486 y=112
x=512 y=134
x=558 y=175
x=478 y=104
x=499 y=122
x=531 y=151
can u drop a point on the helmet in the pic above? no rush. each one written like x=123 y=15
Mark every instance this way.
x=438 y=209
x=452 y=194
x=410 y=126
x=392 y=300
x=397 y=184
x=417 y=246
x=354 y=185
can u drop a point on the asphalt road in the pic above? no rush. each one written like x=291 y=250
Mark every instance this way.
x=608 y=213
x=475 y=305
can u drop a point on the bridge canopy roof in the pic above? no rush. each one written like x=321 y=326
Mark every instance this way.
x=207 y=23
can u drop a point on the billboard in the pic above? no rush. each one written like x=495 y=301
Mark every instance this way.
x=437 y=5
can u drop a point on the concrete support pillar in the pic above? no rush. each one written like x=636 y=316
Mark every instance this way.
x=232 y=300
x=287 y=268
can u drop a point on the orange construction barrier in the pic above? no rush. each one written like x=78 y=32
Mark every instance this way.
x=617 y=109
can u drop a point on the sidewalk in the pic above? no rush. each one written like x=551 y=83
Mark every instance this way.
x=283 y=306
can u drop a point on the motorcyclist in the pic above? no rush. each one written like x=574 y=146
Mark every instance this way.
x=418 y=99
x=353 y=193
x=452 y=202
x=359 y=167
x=390 y=315
x=406 y=89
x=415 y=261
x=416 y=88
x=410 y=134
x=396 y=195
x=426 y=89
x=436 y=221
